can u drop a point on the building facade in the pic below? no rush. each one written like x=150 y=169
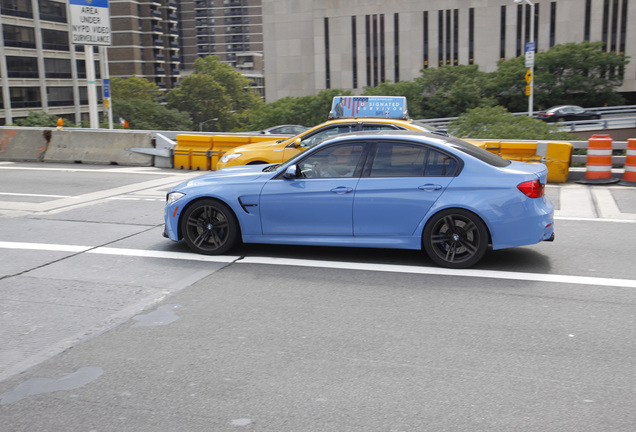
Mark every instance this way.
x=229 y=29
x=40 y=70
x=145 y=41
x=349 y=44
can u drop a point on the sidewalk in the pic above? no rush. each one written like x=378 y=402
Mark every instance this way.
x=575 y=200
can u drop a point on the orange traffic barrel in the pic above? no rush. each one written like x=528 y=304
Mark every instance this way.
x=629 y=177
x=598 y=168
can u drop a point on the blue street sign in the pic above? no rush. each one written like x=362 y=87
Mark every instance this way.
x=531 y=46
x=106 y=87
x=93 y=3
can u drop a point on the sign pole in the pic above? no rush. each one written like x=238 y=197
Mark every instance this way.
x=106 y=85
x=92 y=88
x=90 y=25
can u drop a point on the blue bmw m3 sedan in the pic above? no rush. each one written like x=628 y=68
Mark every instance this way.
x=379 y=189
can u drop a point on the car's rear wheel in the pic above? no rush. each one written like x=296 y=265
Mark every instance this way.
x=209 y=227
x=455 y=238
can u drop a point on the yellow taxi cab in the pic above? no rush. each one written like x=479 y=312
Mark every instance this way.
x=348 y=114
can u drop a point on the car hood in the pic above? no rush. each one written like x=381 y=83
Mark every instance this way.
x=244 y=173
x=266 y=145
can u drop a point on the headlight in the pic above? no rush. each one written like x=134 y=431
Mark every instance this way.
x=230 y=157
x=173 y=196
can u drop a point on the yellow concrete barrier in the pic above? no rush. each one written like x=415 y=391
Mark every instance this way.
x=192 y=152
x=202 y=152
x=555 y=154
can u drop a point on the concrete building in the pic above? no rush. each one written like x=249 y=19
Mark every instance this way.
x=229 y=29
x=40 y=69
x=145 y=41
x=349 y=44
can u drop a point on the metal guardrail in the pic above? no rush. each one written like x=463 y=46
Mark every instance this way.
x=618 y=160
x=624 y=120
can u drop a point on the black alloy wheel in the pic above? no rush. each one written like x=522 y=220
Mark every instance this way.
x=455 y=238
x=209 y=227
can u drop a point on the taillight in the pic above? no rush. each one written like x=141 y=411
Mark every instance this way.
x=532 y=189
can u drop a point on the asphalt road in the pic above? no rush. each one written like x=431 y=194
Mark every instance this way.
x=107 y=326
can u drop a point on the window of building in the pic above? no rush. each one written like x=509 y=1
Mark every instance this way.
x=57 y=68
x=52 y=11
x=374 y=38
x=614 y=32
x=367 y=24
x=588 y=19
x=621 y=48
x=396 y=47
x=19 y=8
x=354 y=52
x=440 y=37
x=502 y=34
x=83 y=94
x=519 y=29
x=25 y=97
x=455 y=37
x=471 y=36
x=448 y=37
x=425 y=39
x=552 y=24
x=55 y=40
x=22 y=67
x=17 y=36
x=60 y=96
x=327 y=60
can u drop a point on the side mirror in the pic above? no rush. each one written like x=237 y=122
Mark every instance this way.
x=291 y=172
x=297 y=142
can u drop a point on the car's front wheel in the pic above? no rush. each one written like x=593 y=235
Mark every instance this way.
x=455 y=238
x=209 y=227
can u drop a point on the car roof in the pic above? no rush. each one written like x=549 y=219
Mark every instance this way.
x=450 y=143
x=422 y=136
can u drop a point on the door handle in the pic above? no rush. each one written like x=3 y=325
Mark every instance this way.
x=430 y=187
x=342 y=190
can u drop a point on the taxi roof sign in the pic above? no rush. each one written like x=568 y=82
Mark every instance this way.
x=369 y=106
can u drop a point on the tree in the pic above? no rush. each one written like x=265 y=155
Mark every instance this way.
x=215 y=91
x=573 y=73
x=409 y=89
x=497 y=122
x=134 y=88
x=149 y=115
x=41 y=119
x=137 y=100
x=305 y=110
x=450 y=90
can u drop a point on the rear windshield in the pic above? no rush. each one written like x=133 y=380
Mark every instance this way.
x=478 y=152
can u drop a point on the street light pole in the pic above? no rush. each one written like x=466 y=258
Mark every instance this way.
x=530 y=66
x=204 y=122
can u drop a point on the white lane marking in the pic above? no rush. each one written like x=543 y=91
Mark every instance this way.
x=439 y=271
x=43 y=247
x=36 y=195
x=141 y=253
x=392 y=268
x=588 y=219
x=123 y=170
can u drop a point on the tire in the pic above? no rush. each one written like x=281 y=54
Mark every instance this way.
x=209 y=227
x=455 y=238
x=257 y=163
